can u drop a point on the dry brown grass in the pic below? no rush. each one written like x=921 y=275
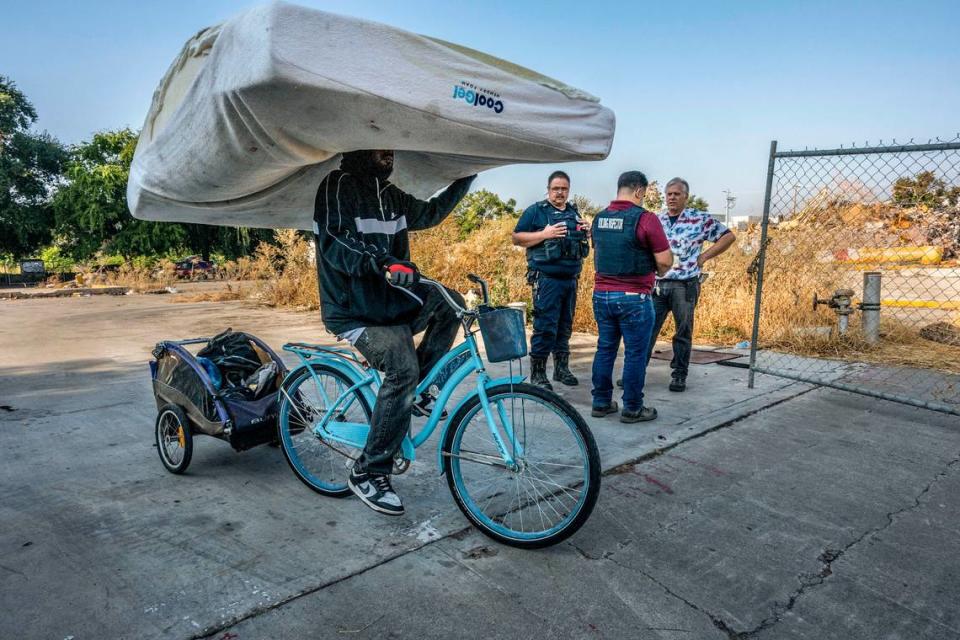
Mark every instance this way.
x=807 y=257
x=489 y=253
x=141 y=279
x=796 y=269
x=255 y=267
x=128 y=275
x=230 y=293
x=285 y=273
x=900 y=345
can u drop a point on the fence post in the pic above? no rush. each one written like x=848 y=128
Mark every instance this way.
x=760 y=263
x=870 y=307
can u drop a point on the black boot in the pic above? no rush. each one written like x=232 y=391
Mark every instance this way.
x=678 y=383
x=538 y=373
x=561 y=370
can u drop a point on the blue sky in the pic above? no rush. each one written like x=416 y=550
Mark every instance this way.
x=699 y=88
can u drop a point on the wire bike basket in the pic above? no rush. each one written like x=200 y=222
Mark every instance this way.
x=503 y=333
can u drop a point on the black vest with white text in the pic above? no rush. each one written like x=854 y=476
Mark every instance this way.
x=616 y=250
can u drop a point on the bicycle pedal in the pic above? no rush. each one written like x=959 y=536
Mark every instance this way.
x=400 y=465
x=423 y=408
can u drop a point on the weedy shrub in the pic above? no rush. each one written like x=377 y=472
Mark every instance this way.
x=285 y=273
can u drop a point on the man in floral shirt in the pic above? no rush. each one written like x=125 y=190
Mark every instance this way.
x=677 y=291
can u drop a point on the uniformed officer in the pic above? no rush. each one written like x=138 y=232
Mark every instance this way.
x=556 y=240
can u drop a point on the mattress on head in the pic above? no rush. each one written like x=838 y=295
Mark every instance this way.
x=255 y=112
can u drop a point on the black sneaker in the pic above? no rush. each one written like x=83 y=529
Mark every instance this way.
x=376 y=492
x=678 y=383
x=645 y=414
x=603 y=412
x=423 y=407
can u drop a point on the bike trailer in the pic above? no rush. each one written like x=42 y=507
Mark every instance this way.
x=227 y=389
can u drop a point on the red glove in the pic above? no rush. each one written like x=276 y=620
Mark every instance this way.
x=401 y=273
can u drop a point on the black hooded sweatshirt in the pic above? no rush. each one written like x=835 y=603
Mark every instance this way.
x=360 y=220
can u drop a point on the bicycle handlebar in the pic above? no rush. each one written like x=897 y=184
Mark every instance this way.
x=453 y=303
x=474 y=278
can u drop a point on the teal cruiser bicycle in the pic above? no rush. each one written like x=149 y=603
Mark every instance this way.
x=520 y=461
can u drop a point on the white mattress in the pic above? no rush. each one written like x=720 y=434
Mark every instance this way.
x=255 y=112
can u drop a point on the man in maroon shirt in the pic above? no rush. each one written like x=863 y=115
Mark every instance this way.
x=629 y=250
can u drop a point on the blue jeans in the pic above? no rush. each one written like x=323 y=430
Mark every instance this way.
x=621 y=315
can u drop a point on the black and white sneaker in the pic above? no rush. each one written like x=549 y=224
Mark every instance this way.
x=376 y=492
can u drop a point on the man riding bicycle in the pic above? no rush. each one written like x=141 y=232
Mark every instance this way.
x=370 y=295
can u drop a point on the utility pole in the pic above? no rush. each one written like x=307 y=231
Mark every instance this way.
x=731 y=200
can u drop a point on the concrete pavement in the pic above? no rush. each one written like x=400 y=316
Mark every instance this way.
x=814 y=519
x=101 y=542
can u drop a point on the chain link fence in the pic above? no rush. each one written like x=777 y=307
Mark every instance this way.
x=857 y=271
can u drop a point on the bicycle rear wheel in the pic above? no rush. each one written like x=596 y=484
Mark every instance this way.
x=321 y=464
x=553 y=486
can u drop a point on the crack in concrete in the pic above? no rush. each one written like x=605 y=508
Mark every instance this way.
x=717 y=621
x=807 y=581
x=734 y=405
x=13 y=571
x=260 y=610
x=829 y=556
x=738 y=483
x=626 y=466
x=500 y=589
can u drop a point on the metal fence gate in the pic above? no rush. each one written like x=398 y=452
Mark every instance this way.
x=857 y=271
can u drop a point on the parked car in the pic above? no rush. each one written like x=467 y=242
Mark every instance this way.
x=195 y=268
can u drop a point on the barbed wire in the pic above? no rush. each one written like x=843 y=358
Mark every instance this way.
x=893 y=146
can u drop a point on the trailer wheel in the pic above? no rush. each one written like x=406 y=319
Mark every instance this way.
x=174 y=439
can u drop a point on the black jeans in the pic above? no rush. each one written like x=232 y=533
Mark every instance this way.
x=678 y=297
x=554 y=301
x=390 y=350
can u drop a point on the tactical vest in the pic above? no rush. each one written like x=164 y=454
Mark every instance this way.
x=616 y=250
x=560 y=257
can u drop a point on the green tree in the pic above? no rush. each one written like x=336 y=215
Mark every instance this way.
x=230 y=242
x=30 y=167
x=924 y=189
x=55 y=262
x=91 y=209
x=479 y=206
x=698 y=203
x=92 y=215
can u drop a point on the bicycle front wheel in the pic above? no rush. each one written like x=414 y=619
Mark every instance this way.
x=321 y=464
x=552 y=486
